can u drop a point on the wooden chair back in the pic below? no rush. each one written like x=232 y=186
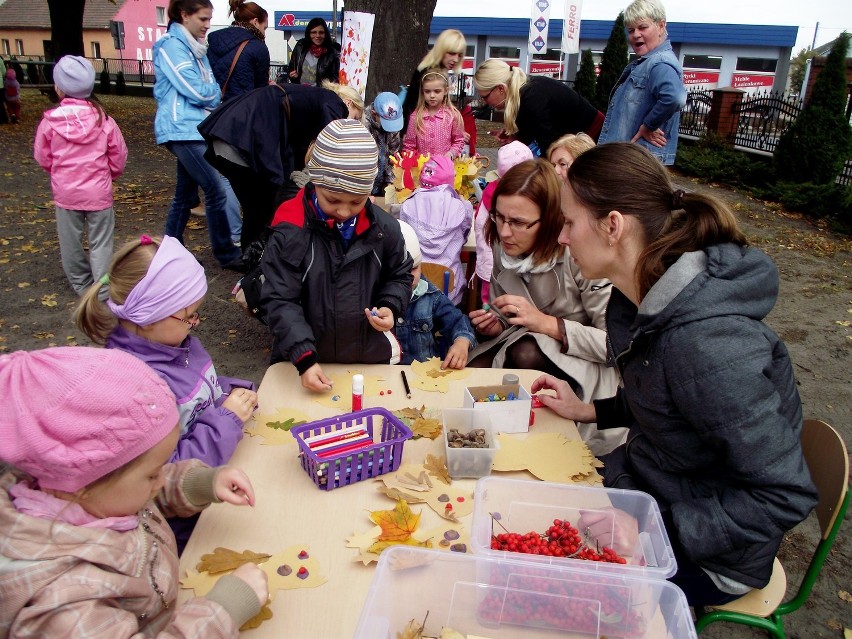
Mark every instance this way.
x=828 y=462
x=437 y=274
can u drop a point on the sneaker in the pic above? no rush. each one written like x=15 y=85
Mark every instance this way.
x=237 y=265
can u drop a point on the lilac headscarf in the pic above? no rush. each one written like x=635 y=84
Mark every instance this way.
x=174 y=281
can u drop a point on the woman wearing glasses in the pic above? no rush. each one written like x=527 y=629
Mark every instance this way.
x=315 y=58
x=543 y=314
x=155 y=290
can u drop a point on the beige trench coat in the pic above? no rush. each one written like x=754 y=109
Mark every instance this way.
x=581 y=305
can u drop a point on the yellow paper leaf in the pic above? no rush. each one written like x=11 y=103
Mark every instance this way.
x=396 y=524
x=224 y=559
x=381 y=545
x=548 y=456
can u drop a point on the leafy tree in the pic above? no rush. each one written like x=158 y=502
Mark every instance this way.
x=400 y=40
x=612 y=64
x=797 y=68
x=584 y=84
x=816 y=146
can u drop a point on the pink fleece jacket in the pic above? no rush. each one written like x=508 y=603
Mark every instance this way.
x=82 y=156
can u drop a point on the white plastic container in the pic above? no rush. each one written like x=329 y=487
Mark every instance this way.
x=523 y=506
x=506 y=599
x=508 y=416
x=469 y=462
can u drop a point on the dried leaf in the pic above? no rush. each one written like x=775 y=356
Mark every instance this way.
x=264 y=614
x=425 y=427
x=438 y=469
x=845 y=596
x=285 y=425
x=396 y=524
x=414 y=630
x=436 y=373
x=224 y=559
x=381 y=545
x=410 y=412
x=834 y=624
x=397 y=494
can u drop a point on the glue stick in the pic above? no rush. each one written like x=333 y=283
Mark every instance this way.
x=357 y=392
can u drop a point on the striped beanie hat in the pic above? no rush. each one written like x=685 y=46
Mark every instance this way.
x=344 y=158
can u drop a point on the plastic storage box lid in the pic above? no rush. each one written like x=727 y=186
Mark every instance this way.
x=521 y=506
x=507 y=599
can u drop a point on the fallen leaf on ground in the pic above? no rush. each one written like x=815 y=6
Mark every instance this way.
x=845 y=596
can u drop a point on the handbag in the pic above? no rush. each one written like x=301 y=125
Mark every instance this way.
x=233 y=64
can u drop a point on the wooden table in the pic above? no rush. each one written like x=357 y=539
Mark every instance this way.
x=291 y=509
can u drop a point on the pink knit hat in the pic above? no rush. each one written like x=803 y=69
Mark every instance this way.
x=73 y=414
x=436 y=171
x=511 y=155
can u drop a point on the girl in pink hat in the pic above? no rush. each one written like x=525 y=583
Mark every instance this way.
x=86 y=550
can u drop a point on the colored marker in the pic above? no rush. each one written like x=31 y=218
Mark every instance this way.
x=405 y=383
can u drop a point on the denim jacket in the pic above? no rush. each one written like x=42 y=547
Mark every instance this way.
x=650 y=91
x=431 y=312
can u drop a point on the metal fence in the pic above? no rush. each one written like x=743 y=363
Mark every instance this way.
x=763 y=117
x=693 y=116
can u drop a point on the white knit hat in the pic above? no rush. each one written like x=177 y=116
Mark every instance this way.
x=412 y=244
x=74 y=76
x=344 y=158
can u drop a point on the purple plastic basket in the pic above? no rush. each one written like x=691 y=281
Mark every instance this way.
x=383 y=456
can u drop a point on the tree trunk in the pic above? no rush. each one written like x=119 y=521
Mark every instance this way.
x=66 y=20
x=400 y=40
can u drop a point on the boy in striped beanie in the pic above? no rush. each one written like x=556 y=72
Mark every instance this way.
x=335 y=272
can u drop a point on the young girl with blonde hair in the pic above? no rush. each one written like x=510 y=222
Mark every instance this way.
x=156 y=288
x=435 y=126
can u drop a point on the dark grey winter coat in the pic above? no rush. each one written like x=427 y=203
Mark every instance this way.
x=715 y=415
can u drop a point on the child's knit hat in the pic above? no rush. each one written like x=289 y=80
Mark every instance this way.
x=344 y=158
x=436 y=171
x=412 y=244
x=511 y=154
x=74 y=414
x=74 y=76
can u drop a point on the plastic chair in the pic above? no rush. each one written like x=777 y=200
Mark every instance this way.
x=825 y=453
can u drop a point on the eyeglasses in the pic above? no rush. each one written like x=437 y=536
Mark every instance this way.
x=485 y=97
x=192 y=321
x=514 y=225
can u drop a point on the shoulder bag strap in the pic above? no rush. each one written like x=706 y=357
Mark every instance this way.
x=233 y=64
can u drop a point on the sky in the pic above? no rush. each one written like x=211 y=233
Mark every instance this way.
x=833 y=16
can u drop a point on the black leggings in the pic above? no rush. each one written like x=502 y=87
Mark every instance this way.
x=524 y=354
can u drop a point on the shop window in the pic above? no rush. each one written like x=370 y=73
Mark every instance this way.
x=760 y=65
x=512 y=53
x=702 y=61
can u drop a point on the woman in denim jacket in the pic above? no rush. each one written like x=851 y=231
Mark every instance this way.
x=645 y=104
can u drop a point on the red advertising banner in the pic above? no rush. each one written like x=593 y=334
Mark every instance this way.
x=700 y=77
x=752 y=80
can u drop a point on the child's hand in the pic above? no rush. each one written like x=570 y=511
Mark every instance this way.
x=241 y=402
x=256 y=580
x=380 y=318
x=314 y=379
x=232 y=486
x=486 y=323
x=457 y=354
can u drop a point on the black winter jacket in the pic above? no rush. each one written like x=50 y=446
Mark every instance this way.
x=314 y=291
x=328 y=65
x=715 y=416
x=550 y=109
x=252 y=68
x=271 y=128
